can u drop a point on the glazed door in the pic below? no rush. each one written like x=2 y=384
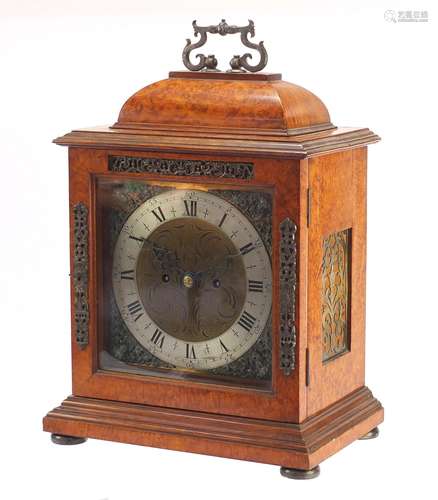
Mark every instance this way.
x=113 y=361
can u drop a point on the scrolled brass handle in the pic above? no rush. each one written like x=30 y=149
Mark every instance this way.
x=237 y=63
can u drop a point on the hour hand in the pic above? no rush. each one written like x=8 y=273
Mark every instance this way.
x=168 y=259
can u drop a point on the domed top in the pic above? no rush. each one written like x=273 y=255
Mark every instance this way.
x=209 y=112
x=240 y=103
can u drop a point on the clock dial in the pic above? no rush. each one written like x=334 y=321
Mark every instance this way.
x=192 y=279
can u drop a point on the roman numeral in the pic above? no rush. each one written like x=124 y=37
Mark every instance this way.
x=158 y=338
x=247 y=248
x=224 y=348
x=159 y=214
x=134 y=308
x=247 y=321
x=191 y=209
x=127 y=275
x=141 y=240
x=255 y=286
x=223 y=219
x=190 y=352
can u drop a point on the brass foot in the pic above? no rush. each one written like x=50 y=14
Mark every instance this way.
x=372 y=434
x=68 y=440
x=300 y=473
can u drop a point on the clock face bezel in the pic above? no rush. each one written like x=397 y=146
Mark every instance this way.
x=250 y=323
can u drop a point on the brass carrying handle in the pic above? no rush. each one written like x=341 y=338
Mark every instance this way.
x=237 y=63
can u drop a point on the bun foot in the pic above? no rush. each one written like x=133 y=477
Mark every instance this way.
x=67 y=440
x=372 y=434
x=300 y=473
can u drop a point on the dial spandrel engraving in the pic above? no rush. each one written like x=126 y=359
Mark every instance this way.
x=192 y=286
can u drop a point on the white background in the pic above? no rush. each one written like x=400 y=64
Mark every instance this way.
x=67 y=64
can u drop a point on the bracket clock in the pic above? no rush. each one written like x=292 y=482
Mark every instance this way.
x=218 y=270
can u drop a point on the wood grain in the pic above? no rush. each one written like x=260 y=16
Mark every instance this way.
x=338 y=203
x=282 y=402
x=216 y=102
x=221 y=142
x=286 y=133
x=291 y=445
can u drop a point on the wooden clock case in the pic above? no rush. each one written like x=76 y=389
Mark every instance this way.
x=318 y=402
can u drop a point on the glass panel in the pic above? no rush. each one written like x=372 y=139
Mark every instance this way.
x=186 y=281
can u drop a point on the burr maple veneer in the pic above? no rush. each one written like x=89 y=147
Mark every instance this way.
x=279 y=376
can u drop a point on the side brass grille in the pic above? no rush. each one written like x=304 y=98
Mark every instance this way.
x=336 y=283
